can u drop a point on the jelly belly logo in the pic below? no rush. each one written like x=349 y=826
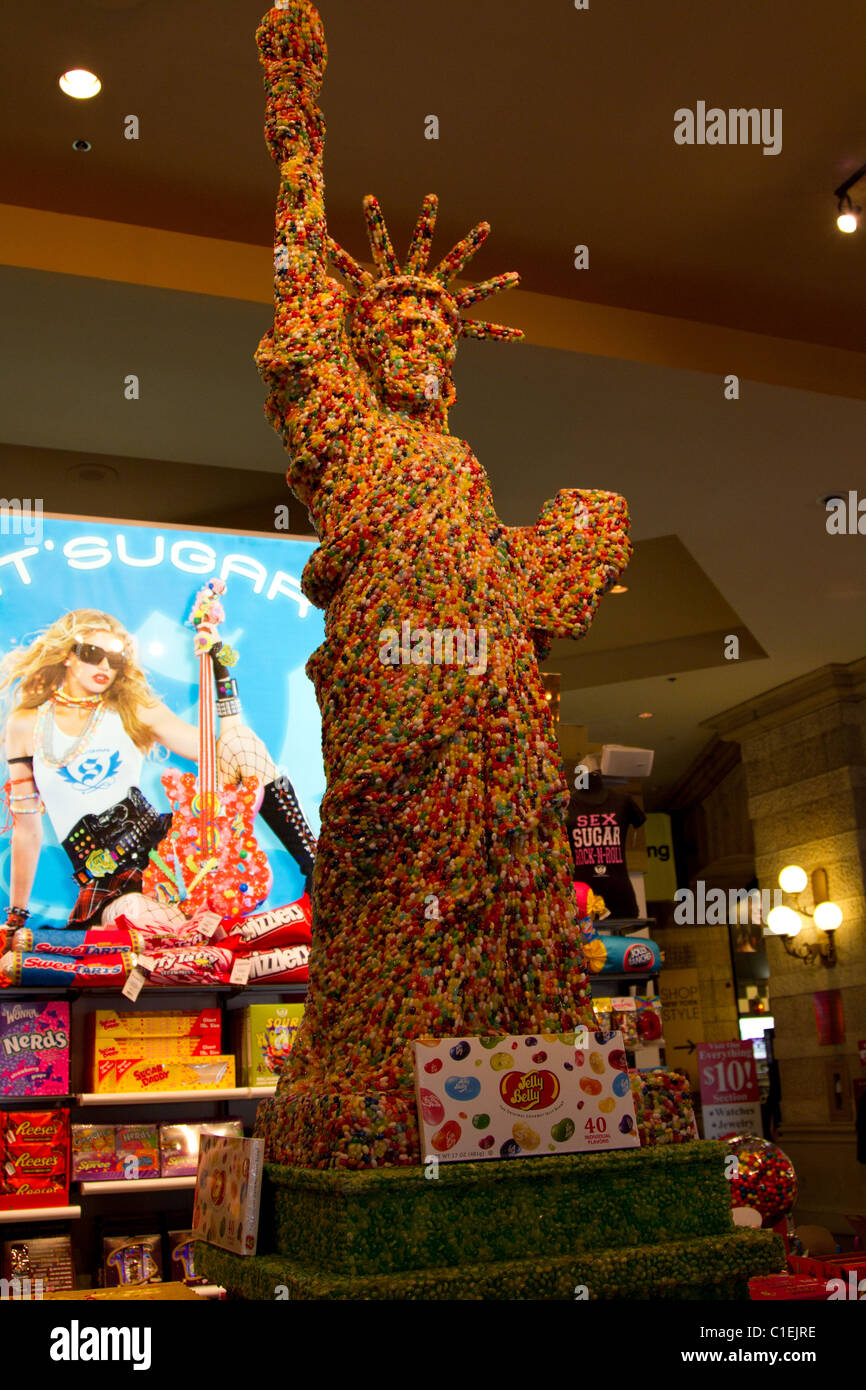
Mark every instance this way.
x=529 y=1090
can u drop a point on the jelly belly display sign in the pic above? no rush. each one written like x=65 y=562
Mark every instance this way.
x=730 y=1095
x=513 y=1097
x=145 y=579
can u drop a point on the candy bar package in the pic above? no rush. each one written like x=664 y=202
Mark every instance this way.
x=46 y=1261
x=195 y=965
x=267 y=1034
x=137 y=1150
x=228 y=1192
x=82 y=945
x=196 y=1074
x=285 y=965
x=509 y=1097
x=20 y=1192
x=32 y=968
x=179 y=1144
x=34 y=1159
x=93 y=1153
x=623 y=1019
x=34 y=1048
x=131 y=1260
x=167 y=1023
x=649 y=1021
x=33 y=1127
x=181 y=1245
x=263 y=931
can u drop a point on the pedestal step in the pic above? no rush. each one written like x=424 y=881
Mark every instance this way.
x=648 y=1223
x=717 y=1267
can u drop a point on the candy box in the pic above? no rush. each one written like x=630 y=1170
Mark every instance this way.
x=94 y=1157
x=137 y=1149
x=196 y=1074
x=167 y=1023
x=34 y=1048
x=179 y=1144
x=509 y=1097
x=268 y=1034
x=227 y=1193
x=181 y=1245
x=149 y=1047
x=46 y=1258
x=131 y=1260
x=139 y=1051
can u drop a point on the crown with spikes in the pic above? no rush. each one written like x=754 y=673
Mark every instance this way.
x=412 y=275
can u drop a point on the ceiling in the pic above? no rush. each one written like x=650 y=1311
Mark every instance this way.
x=557 y=126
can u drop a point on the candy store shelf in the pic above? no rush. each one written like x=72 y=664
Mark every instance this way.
x=25 y=1214
x=35 y=1102
x=165 y=1097
x=174 y=1097
x=293 y=991
x=633 y=977
x=93 y=1189
x=623 y=926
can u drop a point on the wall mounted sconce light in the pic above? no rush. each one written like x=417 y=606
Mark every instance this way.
x=847 y=213
x=786 y=922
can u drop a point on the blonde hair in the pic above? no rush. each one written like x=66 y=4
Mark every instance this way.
x=39 y=671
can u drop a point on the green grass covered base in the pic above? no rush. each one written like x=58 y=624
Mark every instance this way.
x=642 y=1223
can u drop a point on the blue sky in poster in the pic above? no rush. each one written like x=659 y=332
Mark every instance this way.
x=147 y=577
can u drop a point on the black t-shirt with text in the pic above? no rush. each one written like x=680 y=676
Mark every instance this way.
x=598 y=819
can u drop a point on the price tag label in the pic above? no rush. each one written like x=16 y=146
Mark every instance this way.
x=240 y=971
x=207 y=929
x=134 y=982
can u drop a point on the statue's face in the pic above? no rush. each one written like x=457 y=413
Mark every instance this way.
x=406 y=342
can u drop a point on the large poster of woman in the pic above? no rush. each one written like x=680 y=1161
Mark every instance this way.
x=99 y=683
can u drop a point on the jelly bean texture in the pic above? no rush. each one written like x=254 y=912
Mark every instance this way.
x=444 y=780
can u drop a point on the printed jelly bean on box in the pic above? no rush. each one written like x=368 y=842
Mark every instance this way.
x=527 y=1096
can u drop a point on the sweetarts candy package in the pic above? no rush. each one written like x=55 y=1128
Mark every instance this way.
x=515 y=1097
x=34 y=1048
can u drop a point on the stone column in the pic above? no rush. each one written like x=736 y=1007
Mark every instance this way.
x=804 y=754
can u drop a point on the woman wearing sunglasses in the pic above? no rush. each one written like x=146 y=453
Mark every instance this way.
x=83 y=722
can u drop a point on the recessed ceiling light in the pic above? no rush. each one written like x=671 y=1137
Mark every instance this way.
x=645 y=716
x=619 y=589
x=80 y=83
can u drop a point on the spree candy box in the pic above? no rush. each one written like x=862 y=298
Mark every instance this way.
x=34 y=1048
x=510 y=1097
x=94 y=1157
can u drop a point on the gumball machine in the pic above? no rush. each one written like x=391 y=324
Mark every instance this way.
x=764 y=1179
